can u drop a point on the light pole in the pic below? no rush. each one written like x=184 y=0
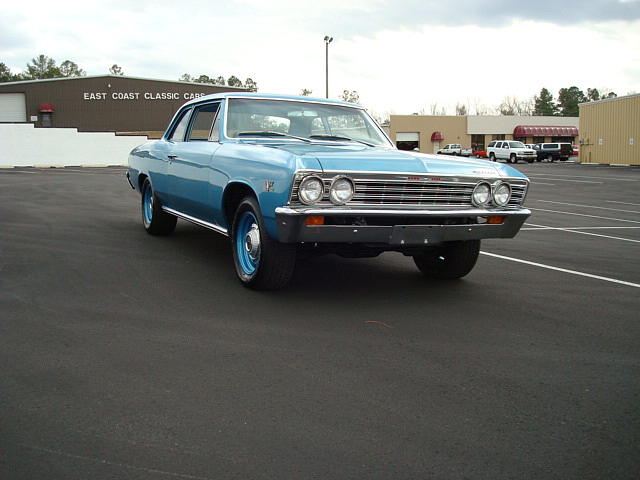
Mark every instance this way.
x=327 y=41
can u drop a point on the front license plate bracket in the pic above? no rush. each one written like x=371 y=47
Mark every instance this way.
x=417 y=235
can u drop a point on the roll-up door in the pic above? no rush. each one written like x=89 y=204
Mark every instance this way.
x=13 y=107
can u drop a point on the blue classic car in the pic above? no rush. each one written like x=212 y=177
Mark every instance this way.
x=283 y=175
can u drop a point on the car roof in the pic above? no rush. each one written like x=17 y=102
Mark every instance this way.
x=271 y=96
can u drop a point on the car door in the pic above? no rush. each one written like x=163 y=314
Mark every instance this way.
x=505 y=150
x=190 y=168
x=164 y=152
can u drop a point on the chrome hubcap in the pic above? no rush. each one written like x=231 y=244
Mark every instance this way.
x=252 y=242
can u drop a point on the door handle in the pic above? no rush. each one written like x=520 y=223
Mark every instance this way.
x=172 y=157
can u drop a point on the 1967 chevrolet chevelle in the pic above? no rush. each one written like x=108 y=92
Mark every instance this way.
x=285 y=176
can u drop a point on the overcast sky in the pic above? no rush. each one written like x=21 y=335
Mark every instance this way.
x=401 y=56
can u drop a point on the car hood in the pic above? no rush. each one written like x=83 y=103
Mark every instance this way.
x=352 y=158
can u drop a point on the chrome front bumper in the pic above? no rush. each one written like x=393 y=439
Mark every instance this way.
x=292 y=227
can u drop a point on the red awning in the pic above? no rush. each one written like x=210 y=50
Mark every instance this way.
x=437 y=137
x=532 y=131
x=46 y=108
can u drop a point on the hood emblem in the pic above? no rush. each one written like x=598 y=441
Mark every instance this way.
x=484 y=171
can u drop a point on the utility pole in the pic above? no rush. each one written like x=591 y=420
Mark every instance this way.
x=327 y=41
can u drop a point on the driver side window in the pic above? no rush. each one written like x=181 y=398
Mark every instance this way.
x=181 y=128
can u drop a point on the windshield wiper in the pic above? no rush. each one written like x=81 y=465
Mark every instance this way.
x=340 y=137
x=270 y=133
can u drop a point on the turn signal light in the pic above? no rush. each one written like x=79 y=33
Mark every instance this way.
x=314 y=221
x=496 y=220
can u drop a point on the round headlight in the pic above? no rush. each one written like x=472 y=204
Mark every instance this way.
x=311 y=190
x=341 y=191
x=501 y=194
x=481 y=194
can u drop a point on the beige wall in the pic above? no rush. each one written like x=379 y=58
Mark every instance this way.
x=454 y=129
x=458 y=128
x=489 y=124
x=607 y=130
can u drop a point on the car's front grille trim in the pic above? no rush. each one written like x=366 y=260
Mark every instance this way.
x=376 y=192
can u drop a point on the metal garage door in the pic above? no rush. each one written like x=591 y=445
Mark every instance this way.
x=12 y=107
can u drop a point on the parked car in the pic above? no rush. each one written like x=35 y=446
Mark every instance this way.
x=283 y=176
x=480 y=154
x=575 y=150
x=553 y=151
x=529 y=145
x=510 y=150
x=454 y=149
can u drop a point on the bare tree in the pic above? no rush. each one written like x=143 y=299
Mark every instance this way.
x=461 y=109
x=514 y=106
x=437 y=111
x=479 y=108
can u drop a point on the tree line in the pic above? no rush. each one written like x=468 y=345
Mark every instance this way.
x=542 y=104
x=43 y=66
x=232 y=81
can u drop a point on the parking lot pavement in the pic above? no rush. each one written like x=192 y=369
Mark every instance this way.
x=129 y=356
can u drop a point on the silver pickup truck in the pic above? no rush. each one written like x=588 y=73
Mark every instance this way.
x=454 y=149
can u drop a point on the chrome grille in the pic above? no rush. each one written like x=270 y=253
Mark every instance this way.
x=399 y=192
x=393 y=190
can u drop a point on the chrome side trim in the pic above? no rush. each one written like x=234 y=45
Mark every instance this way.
x=197 y=221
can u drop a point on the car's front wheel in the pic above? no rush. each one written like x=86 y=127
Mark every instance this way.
x=450 y=260
x=155 y=220
x=550 y=158
x=261 y=262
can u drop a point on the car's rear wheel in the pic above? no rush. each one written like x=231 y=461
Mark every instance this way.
x=450 y=260
x=492 y=157
x=513 y=158
x=261 y=262
x=550 y=158
x=155 y=220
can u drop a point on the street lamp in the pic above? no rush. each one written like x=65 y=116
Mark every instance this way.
x=327 y=41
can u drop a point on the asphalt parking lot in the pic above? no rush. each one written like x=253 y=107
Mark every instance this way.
x=127 y=356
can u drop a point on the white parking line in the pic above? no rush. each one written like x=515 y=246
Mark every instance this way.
x=564 y=270
x=563 y=180
x=582 y=176
x=542 y=183
x=623 y=203
x=580 y=228
x=584 y=215
x=588 y=206
x=544 y=227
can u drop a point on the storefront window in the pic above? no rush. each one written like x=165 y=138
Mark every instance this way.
x=477 y=143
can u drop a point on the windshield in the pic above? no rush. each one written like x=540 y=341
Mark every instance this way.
x=302 y=121
x=516 y=145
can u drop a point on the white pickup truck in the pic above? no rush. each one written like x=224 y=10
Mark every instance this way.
x=454 y=149
x=511 y=151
